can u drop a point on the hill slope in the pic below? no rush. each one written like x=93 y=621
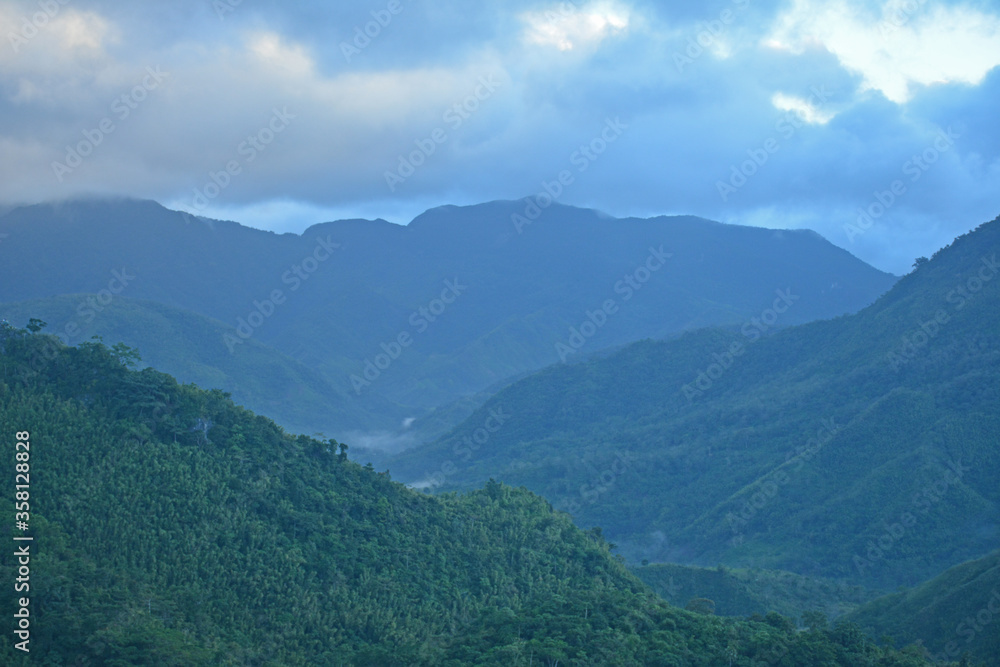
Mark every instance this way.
x=955 y=614
x=191 y=348
x=172 y=528
x=803 y=451
x=445 y=307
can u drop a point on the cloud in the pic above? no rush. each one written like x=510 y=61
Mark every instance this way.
x=808 y=110
x=567 y=27
x=846 y=97
x=906 y=43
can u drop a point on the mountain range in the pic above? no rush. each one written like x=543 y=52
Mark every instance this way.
x=171 y=527
x=759 y=424
x=394 y=321
x=862 y=447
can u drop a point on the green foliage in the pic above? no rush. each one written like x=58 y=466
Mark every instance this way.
x=701 y=606
x=831 y=449
x=35 y=325
x=190 y=347
x=742 y=592
x=955 y=615
x=175 y=528
x=524 y=292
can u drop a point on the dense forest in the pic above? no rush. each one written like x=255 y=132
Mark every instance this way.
x=329 y=304
x=174 y=528
x=854 y=449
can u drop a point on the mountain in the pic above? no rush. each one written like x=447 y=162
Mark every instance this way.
x=431 y=313
x=170 y=527
x=191 y=348
x=745 y=592
x=852 y=448
x=955 y=614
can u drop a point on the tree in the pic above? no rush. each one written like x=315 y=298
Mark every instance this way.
x=343 y=452
x=127 y=356
x=919 y=261
x=815 y=620
x=701 y=606
x=35 y=325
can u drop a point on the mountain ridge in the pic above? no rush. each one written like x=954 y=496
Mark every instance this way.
x=738 y=457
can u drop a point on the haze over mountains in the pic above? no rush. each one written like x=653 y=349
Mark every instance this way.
x=528 y=333
x=177 y=529
x=697 y=394
x=862 y=447
x=367 y=314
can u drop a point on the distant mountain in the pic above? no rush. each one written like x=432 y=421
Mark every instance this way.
x=171 y=528
x=853 y=448
x=955 y=614
x=433 y=312
x=743 y=592
x=191 y=348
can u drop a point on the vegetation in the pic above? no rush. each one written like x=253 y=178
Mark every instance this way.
x=191 y=348
x=175 y=528
x=743 y=592
x=853 y=448
x=520 y=293
x=956 y=615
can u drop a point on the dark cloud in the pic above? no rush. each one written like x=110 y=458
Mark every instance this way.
x=690 y=113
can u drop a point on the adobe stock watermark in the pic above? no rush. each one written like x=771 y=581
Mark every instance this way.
x=628 y=286
x=455 y=116
x=294 y=277
x=920 y=505
x=602 y=482
x=420 y=321
x=753 y=330
x=121 y=108
x=582 y=159
x=915 y=168
x=898 y=15
x=247 y=151
x=31 y=26
x=972 y=626
x=790 y=123
x=89 y=308
x=223 y=7
x=958 y=298
x=710 y=31
x=363 y=36
x=465 y=448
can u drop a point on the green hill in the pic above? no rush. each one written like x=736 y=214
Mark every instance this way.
x=741 y=592
x=190 y=347
x=850 y=448
x=171 y=527
x=955 y=614
x=440 y=309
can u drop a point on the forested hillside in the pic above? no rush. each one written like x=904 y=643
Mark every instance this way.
x=427 y=313
x=853 y=448
x=173 y=528
x=744 y=592
x=260 y=378
x=955 y=614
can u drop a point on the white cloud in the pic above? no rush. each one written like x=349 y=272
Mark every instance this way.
x=805 y=109
x=907 y=43
x=567 y=28
x=270 y=49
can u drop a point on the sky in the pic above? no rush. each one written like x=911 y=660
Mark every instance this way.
x=872 y=123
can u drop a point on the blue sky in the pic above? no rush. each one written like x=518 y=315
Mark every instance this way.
x=282 y=114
